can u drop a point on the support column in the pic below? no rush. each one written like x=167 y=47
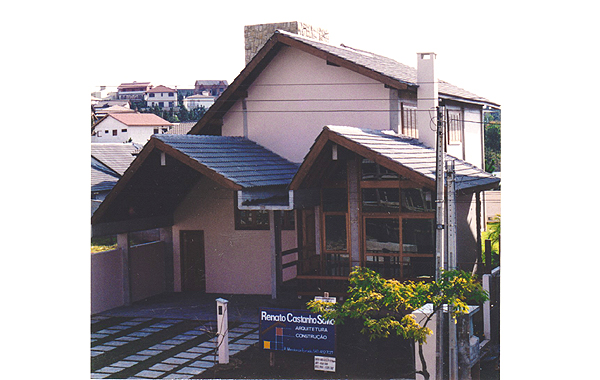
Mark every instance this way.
x=353 y=204
x=166 y=236
x=123 y=244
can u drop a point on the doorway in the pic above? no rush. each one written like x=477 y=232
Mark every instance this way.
x=193 y=274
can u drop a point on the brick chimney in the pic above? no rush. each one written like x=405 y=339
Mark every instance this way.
x=427 y=98
x=255 y=36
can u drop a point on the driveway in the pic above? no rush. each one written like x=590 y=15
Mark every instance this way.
x=171 y=336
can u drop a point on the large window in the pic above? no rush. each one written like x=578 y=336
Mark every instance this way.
x=455 y=127
x=250 y=219
x=398 y=219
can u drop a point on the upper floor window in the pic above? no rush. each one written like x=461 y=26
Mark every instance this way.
x=409 y=121
x=455 y=127
x=171 y=94
x=151 y=94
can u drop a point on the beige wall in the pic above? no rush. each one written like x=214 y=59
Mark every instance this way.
x=107 y=280
x=292 y=76
x=237 y=262
x=147 y=268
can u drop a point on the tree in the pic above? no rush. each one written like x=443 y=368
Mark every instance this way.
x=385 y=305
x=492 y=140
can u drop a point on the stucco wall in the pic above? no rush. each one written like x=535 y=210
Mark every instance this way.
x=147 y=268
x=466 y=232
x=293 y=84
x=107 y=280
x=237 y=262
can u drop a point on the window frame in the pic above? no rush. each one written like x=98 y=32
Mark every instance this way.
x=249 y=226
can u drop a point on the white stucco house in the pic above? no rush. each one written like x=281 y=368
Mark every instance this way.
x=129 y=127
x=196 y=101
x=161 y=96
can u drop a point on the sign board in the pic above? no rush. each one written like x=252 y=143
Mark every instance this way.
x=296 y=331
x=325 y=363
x=326 y=299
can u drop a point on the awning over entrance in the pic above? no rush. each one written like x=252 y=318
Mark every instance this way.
x=170 y=165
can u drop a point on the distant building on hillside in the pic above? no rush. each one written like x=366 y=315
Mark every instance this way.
x=134 y=90
x=161 y=96
x=214 y=87
x=197 y=101
x=125 y=127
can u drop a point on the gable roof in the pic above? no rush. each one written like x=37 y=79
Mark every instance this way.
x=400 y=153
x=123 y=86
x=103 y=177
x=161 y=88
x=386 y=70
x=237 y=159
x=115 y=156
x=155 y=190
x=140 y=119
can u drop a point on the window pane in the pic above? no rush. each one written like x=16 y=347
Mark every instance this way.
x=381 y=200
x=375 y=172
x=418 y=236
x=262 y=218
x=335 y=233
x=382 y=235
x=335 y=200
x=417 y=200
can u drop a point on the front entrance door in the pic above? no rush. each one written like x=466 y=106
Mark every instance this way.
x=193 y=276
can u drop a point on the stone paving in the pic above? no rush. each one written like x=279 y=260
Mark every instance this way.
x=127 y=347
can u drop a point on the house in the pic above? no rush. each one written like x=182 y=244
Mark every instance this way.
x=214 y=87
x=341 y=173
x=109 y=162
x=161 y=96
x=133 y=90
x=126 y=127
x=196 y=101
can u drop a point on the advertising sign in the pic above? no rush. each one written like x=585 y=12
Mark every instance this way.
x=297 y=331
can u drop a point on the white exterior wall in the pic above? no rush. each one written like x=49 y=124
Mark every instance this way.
x=236 y=261
x=471 y=149
x=292 y=76
x=104 y=131
x=474 y=153
x=190 y=104
x=138 y=133
x=161 y=97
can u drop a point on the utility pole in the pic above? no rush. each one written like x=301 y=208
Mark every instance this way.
x=452 y=264
x=439 y=238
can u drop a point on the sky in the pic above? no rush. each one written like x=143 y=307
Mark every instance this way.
x=206 y=41
x=538 y=59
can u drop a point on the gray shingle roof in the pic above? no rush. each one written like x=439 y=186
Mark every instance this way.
x=413 y=155
x=235 y=158
x=103 y=178
x=116 y=156
x=385 y=66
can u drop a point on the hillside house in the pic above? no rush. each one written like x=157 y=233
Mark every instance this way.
x=128 y=127
x=357 y=126
x=213 y=87
x=161 y=96
x=133 y=90
x=196 y=101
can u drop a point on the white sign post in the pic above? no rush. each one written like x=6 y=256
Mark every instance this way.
x=222 y=331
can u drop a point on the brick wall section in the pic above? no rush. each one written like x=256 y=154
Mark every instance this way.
x=255 y=36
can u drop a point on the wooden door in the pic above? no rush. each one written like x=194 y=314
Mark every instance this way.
x=193 y=276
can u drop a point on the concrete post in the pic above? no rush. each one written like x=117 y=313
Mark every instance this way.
x=123 y=244
x=222 y=331
x=429 y=348
x=487 y=308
